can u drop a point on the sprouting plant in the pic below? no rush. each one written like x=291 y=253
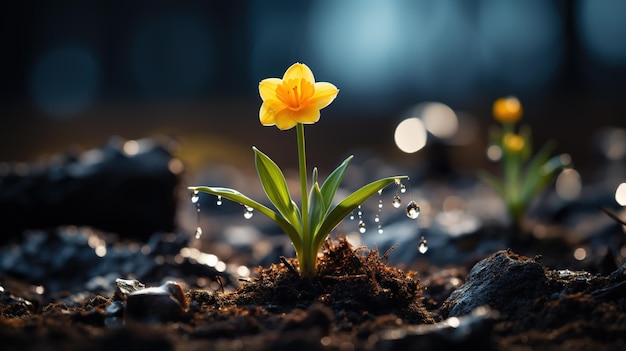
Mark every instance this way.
x=523 y=177
x=293 y=101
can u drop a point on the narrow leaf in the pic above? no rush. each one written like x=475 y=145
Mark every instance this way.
x=535 y=176
x=331 y=184
x=236 y=196
x=347 y=205
x=275 y=187
x=316 y=209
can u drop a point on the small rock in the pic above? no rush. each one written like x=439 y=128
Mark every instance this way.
x=157 y=304
x=506 y=282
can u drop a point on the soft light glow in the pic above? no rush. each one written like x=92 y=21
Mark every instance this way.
x=620 y=194
x=568 y=184
x=494 y=153
x=580 y=254
x=410 y=135
x=131 y=148
x=440 y=120
x=601 y=25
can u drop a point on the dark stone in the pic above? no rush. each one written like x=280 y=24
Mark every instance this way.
x=128 y=194
x=506 y=282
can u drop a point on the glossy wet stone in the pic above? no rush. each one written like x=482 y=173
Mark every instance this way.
x=156 y=304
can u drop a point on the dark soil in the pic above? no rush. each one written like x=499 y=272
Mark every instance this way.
x=355 y=302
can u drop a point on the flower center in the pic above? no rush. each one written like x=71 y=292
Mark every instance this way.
x=294 y=93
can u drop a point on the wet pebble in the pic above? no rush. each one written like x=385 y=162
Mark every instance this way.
x=133 y=301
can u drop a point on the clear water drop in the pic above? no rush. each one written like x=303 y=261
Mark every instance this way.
x=396 y=202
x=377 y=219
x=351 y=216
x=362 y=228
x=219 y=200
x=402 y=188
x=380 y=204
x=412 y=210
x=198 y=232
x=195 y=197
x=247 y=214
x=380 y=192
x=423 y=246
x=380 y=229
x=398 y=181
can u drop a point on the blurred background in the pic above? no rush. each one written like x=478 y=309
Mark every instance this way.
x=76 y=73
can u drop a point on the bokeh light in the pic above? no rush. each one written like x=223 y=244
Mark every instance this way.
x=410 y=135
x=620 y=194
x=439 y=119
x=65 y=81
x=568 y=184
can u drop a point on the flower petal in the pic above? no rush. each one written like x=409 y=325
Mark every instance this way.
x=325 y=93
x=299 y=71
x=267 y=88
x=308 y=115
x=285 y=119
x=267 y=113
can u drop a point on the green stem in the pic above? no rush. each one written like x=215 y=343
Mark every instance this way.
x=307 y=264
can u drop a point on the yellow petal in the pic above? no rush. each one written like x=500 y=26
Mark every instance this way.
x=299 y=71
x=267 y=113
x=267 y=88
x=325 y=93
x=285 y=119
x=308 y=115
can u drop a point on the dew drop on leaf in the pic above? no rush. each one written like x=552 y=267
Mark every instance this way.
x=247 y=213
x=423 y=246
x=195 y=197
x=396 y=202
x=219 y=200
x=362 y=228
x=412 y=210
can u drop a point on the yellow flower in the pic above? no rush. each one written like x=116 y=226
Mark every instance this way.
x=296 y=98
x=513 y=142
x=507 y=110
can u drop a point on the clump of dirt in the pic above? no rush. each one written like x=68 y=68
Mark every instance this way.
x=347 y=280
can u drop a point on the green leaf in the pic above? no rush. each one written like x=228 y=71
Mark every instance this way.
x=236 y=196
x=536 y=177
x=331 y=184
x=275 y=187
x=316 y=209
x=347 y=205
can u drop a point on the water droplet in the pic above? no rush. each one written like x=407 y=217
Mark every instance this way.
x=198 y=232
x=398 y=181
x=362 y=228
x=423 y=246
x=377 y=219
x=412 y=210
x=402 y=188
x=380 y=192
x=351 y=216
x=396 y=202
x=380 y=204
x=219 y=200
x=380 y=229
x=195 y=197
x=360 y=213
x=247 y=214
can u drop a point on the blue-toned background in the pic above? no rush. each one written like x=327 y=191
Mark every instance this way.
x=78 y=72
